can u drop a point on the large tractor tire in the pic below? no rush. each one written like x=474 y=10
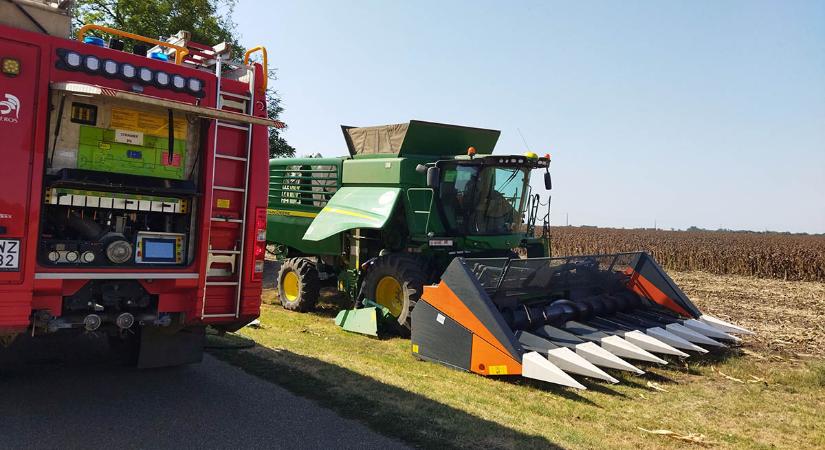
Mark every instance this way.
x=396 y=281
x=298 y=285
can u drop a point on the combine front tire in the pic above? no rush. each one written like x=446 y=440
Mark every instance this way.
x=298 y=285
x=396 y=281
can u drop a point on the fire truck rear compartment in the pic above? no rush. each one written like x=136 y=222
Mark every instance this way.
x=120 y=187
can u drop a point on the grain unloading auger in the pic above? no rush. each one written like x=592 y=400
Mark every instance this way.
x=543 y=318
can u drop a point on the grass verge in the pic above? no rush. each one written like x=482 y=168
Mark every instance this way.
x=728 y=400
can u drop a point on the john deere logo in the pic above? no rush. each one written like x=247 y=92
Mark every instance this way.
x=10 y=109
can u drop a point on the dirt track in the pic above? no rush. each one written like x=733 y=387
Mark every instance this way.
x=786 y=315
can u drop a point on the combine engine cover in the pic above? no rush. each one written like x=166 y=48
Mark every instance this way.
x=543 y=318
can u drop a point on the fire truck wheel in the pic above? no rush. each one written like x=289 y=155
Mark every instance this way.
x=396 y=281
x=298 y=285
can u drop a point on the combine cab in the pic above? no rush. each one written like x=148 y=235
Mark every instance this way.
x=545 y=317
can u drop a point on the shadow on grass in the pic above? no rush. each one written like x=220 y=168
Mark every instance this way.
x=387 y=409
x=691 y=365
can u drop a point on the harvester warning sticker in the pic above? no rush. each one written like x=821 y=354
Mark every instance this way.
x=415 y=348
x=498 y=370
x=223 y=203
x=146 y=123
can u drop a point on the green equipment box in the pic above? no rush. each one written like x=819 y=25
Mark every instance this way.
x=105 y=151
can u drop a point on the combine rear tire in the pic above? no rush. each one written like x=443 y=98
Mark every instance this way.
x=396 y=281
x=298 y=285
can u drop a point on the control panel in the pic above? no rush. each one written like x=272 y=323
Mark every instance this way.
x=159 y=248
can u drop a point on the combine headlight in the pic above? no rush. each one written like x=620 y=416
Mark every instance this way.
x=92 y=64
x=73 y=60
x=110 y=67
x=128 y=71
x=162 y=78
x=178 y=82
x=195 y=85
x=145 y=75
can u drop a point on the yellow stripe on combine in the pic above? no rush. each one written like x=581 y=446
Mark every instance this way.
x=351 y=213
x=286 y=212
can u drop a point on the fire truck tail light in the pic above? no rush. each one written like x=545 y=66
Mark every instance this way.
x=260 y=244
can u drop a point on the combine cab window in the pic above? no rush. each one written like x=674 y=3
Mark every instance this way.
x=484 y=200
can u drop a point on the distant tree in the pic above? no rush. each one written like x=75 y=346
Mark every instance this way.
x=209 y=21
x=278 y=147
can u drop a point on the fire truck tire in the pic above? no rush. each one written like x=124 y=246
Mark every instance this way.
x=298 y=284
x=396 y=281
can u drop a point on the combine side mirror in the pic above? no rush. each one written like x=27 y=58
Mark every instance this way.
x=548 y=183
x=433 y=177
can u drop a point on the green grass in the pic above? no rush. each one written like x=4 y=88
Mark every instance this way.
x=379 y=382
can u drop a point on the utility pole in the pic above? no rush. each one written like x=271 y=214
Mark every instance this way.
x=567 y=219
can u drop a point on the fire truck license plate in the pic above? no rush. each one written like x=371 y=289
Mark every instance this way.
x=9 y=254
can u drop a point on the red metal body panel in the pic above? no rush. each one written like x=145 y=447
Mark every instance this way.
x=24 y=135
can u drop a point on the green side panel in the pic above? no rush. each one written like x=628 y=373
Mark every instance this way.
x=364 y=320
x=351 y=208
x=385 y=171
x=289 y=231
x=372 y=171
x=97 y=150
x=419 y=205
x=298 y=189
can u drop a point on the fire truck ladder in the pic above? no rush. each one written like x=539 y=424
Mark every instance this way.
x=220 y=279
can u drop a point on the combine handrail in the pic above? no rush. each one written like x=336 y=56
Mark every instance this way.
x=261 y=49
x=180 y=52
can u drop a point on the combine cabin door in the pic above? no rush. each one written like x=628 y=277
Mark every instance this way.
x=18 y=104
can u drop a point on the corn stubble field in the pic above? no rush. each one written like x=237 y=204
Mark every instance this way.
x=767 y=393
x=792 y=257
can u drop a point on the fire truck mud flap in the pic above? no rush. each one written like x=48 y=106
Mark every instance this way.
x=164 y=347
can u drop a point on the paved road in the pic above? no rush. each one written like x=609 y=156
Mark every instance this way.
x=99 y=403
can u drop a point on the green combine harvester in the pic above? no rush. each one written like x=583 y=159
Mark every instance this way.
x=432 y=235
x=389 y=218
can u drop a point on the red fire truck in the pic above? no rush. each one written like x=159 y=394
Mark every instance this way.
x=133 y=185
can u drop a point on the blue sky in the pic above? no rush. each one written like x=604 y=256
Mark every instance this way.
x=687 y=113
